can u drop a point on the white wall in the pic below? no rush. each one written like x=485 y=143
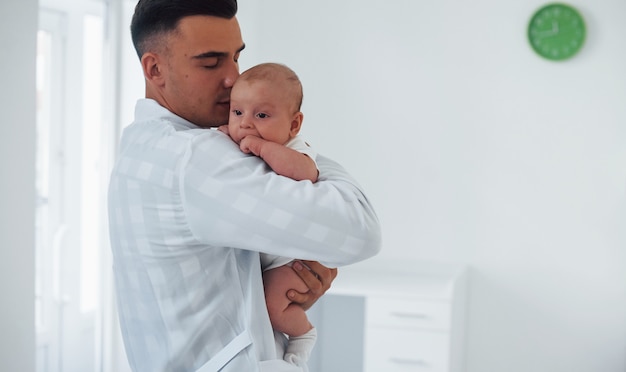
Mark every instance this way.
x=18 y=29
x=475 y=150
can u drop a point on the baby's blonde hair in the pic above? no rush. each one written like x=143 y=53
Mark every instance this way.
x=275 y=72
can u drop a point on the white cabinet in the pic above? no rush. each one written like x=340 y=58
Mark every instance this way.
x=380 y=318
x=390 y=349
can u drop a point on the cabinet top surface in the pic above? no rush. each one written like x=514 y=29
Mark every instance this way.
x=433 y=282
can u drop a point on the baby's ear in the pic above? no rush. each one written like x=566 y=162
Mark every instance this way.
x=296 y=123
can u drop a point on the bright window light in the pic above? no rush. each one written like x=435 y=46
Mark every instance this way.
x=91 y=194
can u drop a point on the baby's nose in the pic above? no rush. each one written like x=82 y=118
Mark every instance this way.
x=247 y=122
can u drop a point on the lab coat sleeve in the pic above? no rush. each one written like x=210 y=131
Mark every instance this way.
x=234 y=200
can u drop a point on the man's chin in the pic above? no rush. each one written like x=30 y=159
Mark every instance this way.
x=214 y=122
x=219 y=116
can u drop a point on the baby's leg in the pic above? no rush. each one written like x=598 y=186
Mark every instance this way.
x=286 y=317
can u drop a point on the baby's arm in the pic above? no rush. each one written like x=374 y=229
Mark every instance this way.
x=282 y=159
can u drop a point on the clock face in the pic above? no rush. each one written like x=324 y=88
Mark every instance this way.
x=556 y=31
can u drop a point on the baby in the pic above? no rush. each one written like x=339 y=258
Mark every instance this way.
x=264 y=120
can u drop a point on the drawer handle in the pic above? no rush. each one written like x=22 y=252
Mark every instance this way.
x=409 y=315
x=405 y=361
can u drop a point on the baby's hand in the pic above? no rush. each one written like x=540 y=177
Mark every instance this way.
x=252 y=144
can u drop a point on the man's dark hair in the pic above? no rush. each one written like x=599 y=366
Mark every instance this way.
x=155 y=18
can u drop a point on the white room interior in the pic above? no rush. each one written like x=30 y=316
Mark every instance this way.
x=475 y=151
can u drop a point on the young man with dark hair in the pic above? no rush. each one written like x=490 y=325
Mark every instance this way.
x=190 y=213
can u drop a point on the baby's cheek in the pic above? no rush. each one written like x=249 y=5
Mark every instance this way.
x=234 y=134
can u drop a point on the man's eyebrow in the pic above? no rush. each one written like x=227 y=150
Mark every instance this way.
x=214 y=54
x=209 y=55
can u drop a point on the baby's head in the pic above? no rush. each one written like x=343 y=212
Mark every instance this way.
x=265 y=102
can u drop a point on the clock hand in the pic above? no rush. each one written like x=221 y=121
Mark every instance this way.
x=548 y=33
x=542 y=34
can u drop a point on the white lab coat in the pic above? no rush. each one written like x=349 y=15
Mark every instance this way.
x=189 y=214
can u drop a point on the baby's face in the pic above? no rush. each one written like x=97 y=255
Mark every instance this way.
x=261 y=108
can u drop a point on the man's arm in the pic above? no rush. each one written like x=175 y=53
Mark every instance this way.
x=282 y=159
x=233 y=200
x=317 y=277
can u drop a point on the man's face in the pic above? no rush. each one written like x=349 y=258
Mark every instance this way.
x=201 y=66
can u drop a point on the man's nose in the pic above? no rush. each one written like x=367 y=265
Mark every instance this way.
x=232 y=73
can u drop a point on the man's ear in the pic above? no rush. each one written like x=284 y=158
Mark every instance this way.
x=153 y=70
x=296 y=124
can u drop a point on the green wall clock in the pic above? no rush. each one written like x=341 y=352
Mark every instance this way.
x=556 y=31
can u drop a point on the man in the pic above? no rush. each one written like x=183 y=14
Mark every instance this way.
x=189 y=212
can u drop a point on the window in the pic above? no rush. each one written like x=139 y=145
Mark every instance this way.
x=92 y=170
x=71 y=173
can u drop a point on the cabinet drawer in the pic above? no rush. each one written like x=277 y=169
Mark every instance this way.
x=406 y=351
x=396 y=312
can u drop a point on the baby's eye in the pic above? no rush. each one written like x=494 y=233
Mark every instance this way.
x=237 y=112
x=262 y=115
